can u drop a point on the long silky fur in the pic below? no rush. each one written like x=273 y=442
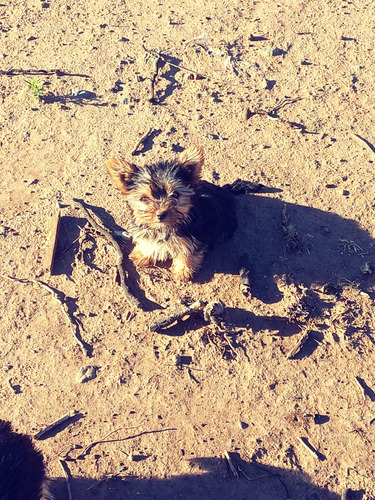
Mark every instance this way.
x=22 y=471
x=196 y=214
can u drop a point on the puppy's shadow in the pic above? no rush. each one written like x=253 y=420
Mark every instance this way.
x=68 y=243
x=302 y=244
x=215 y=480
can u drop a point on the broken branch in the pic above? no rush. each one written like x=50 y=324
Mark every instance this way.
x=54 y=424
x=309 y=447
x=142 y=139
x=60 y=298
x=108 y=235
x=66 y=473
x=179 y=313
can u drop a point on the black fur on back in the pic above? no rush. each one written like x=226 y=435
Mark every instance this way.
x=213 y=215
x=21 y=466
x=243 y=187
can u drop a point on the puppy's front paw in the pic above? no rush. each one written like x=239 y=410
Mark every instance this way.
x=139 y=259
x=181 y=271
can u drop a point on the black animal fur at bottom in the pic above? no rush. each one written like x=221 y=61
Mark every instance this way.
x=22 y=473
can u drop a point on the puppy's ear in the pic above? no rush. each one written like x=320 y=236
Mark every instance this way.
x=121 y=173
x=192 y=160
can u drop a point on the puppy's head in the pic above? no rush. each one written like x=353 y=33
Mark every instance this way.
x=160 y=195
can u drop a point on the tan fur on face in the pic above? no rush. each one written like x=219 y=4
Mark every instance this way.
x=146 y=208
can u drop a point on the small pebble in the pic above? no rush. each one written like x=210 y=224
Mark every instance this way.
x=366 y=268
x=84 y=94
x=85 y=374
x=278 y=52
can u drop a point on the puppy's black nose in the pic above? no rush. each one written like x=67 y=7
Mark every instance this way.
x=161 y=215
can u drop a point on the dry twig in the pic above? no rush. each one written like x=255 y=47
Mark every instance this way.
x=142 y=140
x=179 y=313
x=309 y=447
x=54 y=424
x=104 y=440
x=299 y=344
x=352 y=247
x=108 y=235
x=60 y=298
x=231 y=465
x=67 y=475
x=52 y=243
x=364 y=141
x=156 y=53
x=109 y=476
x=362 y=389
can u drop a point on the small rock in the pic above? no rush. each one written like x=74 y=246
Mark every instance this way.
x=243 y=425
x=85 y=94
x=278 y=52
x=366 y=268
x=345 y=192
x=85 y=374
x=214 y=308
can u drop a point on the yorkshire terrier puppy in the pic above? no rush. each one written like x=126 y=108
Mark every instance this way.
x=22 y=473
x=176 y=215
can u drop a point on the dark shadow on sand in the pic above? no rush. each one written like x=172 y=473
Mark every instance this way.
x=331 y=249
x=210 y=479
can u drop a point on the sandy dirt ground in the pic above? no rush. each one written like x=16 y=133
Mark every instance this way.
x=280 y=93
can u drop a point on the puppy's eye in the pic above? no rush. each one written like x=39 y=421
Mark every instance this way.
x=144 y=199
x=175 y=196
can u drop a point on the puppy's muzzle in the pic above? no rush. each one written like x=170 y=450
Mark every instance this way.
x=162 y=215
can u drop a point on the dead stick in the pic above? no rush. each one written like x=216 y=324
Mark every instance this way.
x=109 y=476
x=67 y=475
x=64 y=308
x=365 y=141
x=309 y=447
x=61 y=300
x=231 y=464
x=82 y=455
x=107 y=435
x=156 y=53
x=107 y=234
x=177 y=314
x=298 y=345
x=154 y=77
x=57 y=422
x=230 y=344
x=142 y=140
x=363 y=391
x=101 y=440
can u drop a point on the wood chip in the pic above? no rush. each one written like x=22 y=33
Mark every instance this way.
x=309 y=447
x=54 y=424
x=231 y=465
x=299 y=344
x=52 y=240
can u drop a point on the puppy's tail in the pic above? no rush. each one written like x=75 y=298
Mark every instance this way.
x=243 y=187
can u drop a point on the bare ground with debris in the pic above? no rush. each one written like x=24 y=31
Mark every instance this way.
x=278 y=401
